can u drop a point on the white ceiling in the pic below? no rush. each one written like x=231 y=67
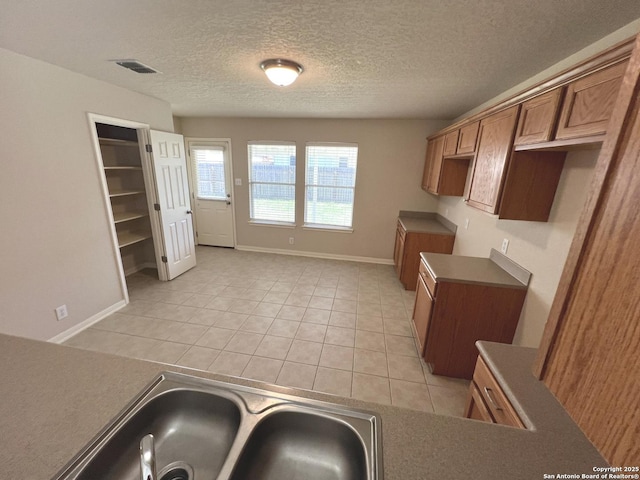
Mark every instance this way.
x=362 y=59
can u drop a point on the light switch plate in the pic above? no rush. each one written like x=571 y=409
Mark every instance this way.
x=505 y=246
x=238 y=182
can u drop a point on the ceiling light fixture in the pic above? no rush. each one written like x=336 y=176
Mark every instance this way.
x=281 y=72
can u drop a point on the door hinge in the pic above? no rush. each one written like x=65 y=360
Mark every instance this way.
x=148 y=148
x=156 y=207
x=164 y=259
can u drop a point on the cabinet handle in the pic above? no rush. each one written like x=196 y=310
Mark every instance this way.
x=489 y=394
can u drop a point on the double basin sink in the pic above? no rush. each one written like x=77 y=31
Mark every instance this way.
x=209 y=430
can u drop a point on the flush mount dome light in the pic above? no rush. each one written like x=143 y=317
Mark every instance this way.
x=281 y=72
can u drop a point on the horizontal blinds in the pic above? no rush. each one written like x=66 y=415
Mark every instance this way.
x=209 y=168
x=272 y=178
x=330 y=184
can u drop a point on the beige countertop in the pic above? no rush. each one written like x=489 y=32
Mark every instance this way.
x=56 y=398
x=462 y=269
x=426 y=222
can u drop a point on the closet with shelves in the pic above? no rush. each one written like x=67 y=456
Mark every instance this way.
x=125 y=178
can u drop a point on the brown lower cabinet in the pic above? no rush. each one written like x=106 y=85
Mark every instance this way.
x=487 y=402
x=449 y=316
x=406 y=253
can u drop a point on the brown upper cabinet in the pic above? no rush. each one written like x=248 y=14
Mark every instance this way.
x=584 y=112
x=447 y=161
x=450 y=143
x=467 y=138
x=538 y=117
x=517 y=164
x=433 y=164
x=589 y=103
x=444 y=175
x=495 y=140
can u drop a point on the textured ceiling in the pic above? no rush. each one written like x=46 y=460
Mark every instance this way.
x=362 y=59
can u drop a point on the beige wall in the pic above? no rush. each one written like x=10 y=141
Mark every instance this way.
x=540 y=247
x=390 y=163
x=55 y=244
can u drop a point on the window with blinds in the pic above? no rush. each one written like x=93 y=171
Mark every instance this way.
x=209 y=168
x=330 y=182
x=272 y=181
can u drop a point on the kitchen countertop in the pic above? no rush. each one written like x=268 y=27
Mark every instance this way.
x=426 y=222
x=56 y=398
x=476 y=270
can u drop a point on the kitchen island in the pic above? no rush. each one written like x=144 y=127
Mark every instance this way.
x=57 y=398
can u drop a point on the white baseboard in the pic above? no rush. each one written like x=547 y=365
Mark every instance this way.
x=67 y=334
x=328 y=256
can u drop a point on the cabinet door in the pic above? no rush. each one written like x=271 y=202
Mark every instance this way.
x=436 y=165
x=537 y=118
x=428 y=162
x=467 y=138
x=476 y=408
x=589 y=102
x=450 y=143
x=422 y=313
x=494 y=146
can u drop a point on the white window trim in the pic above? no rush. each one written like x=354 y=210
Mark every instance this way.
x=271 y=223
x=320 y=226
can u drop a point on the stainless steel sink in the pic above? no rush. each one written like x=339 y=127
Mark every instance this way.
x=290 y=445
x=208 y=430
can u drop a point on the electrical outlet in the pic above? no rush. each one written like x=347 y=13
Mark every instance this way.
x=291 y=240
x=61 y=312
x=505 y=246
x=466 y=223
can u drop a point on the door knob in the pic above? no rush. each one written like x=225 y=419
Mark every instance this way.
x=189 y=212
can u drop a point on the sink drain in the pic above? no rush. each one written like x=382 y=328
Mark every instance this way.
x=176 y=471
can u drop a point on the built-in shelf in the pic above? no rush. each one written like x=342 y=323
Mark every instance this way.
x=124 y=193
x=123 y=167
x=129 y=238
x=117 y=143
x=127 y=216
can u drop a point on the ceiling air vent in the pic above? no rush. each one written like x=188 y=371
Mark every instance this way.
x=136 y=66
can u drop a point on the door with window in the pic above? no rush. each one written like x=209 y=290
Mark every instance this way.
x=212 y=193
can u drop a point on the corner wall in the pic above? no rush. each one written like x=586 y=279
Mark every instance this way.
x=55 y=243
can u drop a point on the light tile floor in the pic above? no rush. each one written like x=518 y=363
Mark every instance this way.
x=332 y=326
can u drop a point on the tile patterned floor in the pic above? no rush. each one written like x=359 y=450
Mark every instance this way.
x=332 y=326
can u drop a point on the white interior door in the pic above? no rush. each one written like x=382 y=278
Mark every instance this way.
x=170 y=167
x=211 y=169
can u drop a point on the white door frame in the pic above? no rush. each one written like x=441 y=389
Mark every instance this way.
x=200 y=141
x=142 y=129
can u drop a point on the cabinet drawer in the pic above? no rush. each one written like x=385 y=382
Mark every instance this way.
x=476 y=409
x=496 y=401
x=429 y=281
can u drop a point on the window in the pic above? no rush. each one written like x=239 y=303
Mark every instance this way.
x=272 y=182
x=330 y=184
x=209 y=167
